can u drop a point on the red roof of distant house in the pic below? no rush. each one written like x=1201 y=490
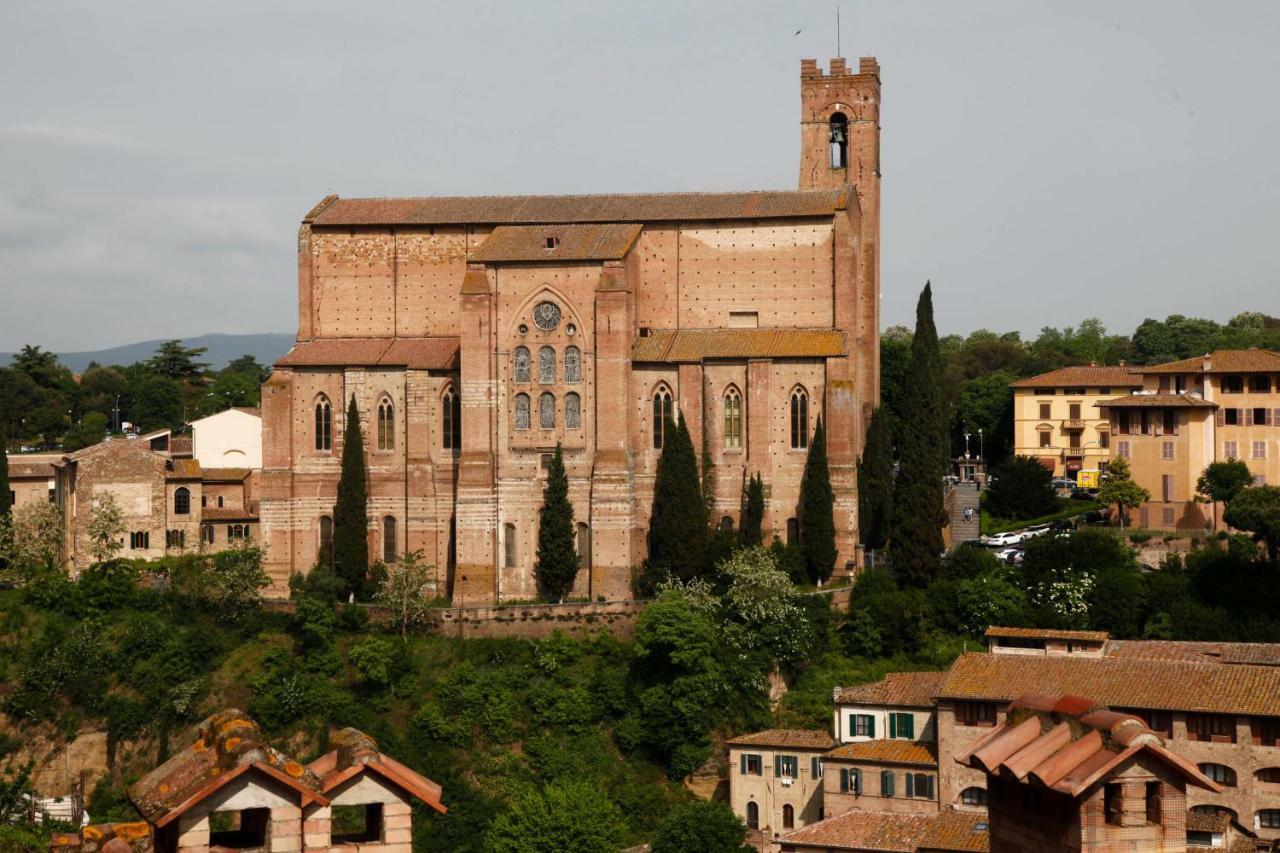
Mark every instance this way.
x=1084 y=376
x=948 y=830
x=1252 y=360
x=787 y=739
x=906 y=689
x=1163 y=401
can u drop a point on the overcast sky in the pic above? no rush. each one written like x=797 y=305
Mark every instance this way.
x=1043 y=162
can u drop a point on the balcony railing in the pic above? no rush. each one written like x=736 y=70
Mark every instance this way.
x=1073 y=423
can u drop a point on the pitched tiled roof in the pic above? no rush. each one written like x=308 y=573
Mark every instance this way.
x=907 y=689
x=1176 y=401
x=694 y=345
x=439 y=353
x=523 y=243
x=531 y=209
x=1260 y=654
x=34 y=465
x=1048 y=634
x=228 y=514
x=1083 y=376
x=1118 y=681
x=180 y=445
x=355 y=753
x=224 y=475
x=1068 y=743
x=1197 y=822
x=787 y=739
x=888 y=751
x=184 y=469
x=1222 y=361
x=948 y=830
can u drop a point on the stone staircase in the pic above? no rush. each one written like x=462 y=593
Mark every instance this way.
x=966 y=496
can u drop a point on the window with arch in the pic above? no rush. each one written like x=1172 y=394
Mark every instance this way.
x=509 y=545
x=546 y=365
x=753 y=815
x=182 y=501
x=219 y=501
x=788 y=817
x=974 y=796
x=326 y=537
x=175 y=539
x=450 y=420
x=324 y=424
x=547 y=410
x=389 y=539
x=799 y=419
x=1220 y=773
x=386 y=425
x=140 y=540
x=838 y=136
x=522 y=411
x=572 y=411
x=522 y=364
x=206 y=534
x=572 y=364
x=1269 y=819
x=583 y=545
x=1270 y=775
x=661 y=414
x=732 y=419
x=1211 y=810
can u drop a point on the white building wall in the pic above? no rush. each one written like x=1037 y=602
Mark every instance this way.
x=230 y=439
x=923 y=725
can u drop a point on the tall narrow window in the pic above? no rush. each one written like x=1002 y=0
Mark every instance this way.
x=547 y=411
x=838 y=135
x=522 y=364
x=451 y=420
x=522 y=411
x=572 y=364
x=324 y=424
x=799 y=419
x=788 y=816
x=509 y=545
x=386 y=425
x=326 y=537
x=182 y=501
x=753 y=815
x=572 y=410
x=546 y=365
x=584 y=546
x=661 y=414
x=732 y=419
x=389 y=539
x=793 y=531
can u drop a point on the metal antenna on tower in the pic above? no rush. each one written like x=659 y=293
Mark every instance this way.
x=837 y=29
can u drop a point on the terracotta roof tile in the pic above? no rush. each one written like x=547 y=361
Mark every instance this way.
x=787 y=739
x=1048 y=634
x=228 y=514
x=948 y=831
x=438 y=353
x=34 y=465
x=695 y=345
x=888 y=751
x=1176 y=401
x=1084 y=376
x=907 y=689
x=184 y=469
x=224 y=475
x=180 y=445
x=1118 y=681
x=355 y=753
x=1223 y=361
x=525 y=243
x=1197 y=822
x=951 y=830
x=1260 y=654
x=642 y=207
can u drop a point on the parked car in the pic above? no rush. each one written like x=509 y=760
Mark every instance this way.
x=1009 y=555
x=1004 y=540
x=1061 y=483
x=1033 y=532
x=1062 y=524
x=1083 y=495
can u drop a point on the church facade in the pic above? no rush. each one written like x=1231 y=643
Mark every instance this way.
x=477 y=333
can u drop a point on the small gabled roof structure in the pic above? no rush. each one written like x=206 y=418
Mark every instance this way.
x=230 y=745
x=899 y=689
x=786 y=739
x=357 y=753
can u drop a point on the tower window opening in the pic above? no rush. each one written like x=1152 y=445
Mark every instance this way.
x=839 y=141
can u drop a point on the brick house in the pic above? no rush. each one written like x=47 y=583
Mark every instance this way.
x=231 y=791
x=475 y=334
x=778 y=781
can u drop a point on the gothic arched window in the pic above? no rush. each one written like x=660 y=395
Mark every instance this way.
x=326 y=537
x=572 y=364
x=732 y=419
x=509 y=545
x=799 y=419
x=572 y=411
x=838 y=134
x=583 y=545
x=522 y=411
x=389 y=539
x=522 y=364
x=547 y=411
x=753 y=815
x=661 y=414
x=386 y=425
x=324 y=424
x=450 y=420
x=546 y=365
x=182 y=501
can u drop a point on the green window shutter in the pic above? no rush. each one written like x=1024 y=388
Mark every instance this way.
x=853 y=724
x=929 y=787
x=893 y=725
x=857 y=780
x=871 y=725
x=911 y=785
x=777 y=765
x=911 y=726
x=886 y=783
x=742 y=760
x=844 y=780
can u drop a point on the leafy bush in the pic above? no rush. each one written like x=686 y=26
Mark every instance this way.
x=709 y=827
x=1023 y=488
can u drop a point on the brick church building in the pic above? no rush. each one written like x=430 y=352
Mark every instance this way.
x=476 y=333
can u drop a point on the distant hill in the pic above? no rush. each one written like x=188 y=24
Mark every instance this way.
x=265 y=348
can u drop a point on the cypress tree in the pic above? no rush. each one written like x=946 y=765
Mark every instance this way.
x=5 y=502
x=678 y=523
x=557 y=558
x=751 y=532
x=350 y=515
x=817 y=506
x=875 y=482
x=918 y=513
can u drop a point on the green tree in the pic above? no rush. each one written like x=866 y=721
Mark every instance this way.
x=1121 y=491
x=817 y=510
x=249 y=366
x=155 y=401
x=1023 y=488
x=985 y=402
x=875 y=483
x=351 y=514
x=106 y=528
x=564 y=817
x=557 y=559
x=1220 y=482
x=237 y=582
x=408 y=591
x=917 y=504
x=1257 y=510
x=176 y=361
x=32 y=537
x=6 y=500
x=678 y=522
x=750 y=532
x=41 y=366
x=707 y=827
x=86 y=433
x=234 y=388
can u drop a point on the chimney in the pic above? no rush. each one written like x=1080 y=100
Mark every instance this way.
x=1207 y=364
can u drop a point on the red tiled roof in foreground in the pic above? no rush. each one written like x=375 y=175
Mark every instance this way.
x=787 y=739
x=1083 y=376
x=1068 y=743
x=438 y=353
x=949 y=830
x=906 y=689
